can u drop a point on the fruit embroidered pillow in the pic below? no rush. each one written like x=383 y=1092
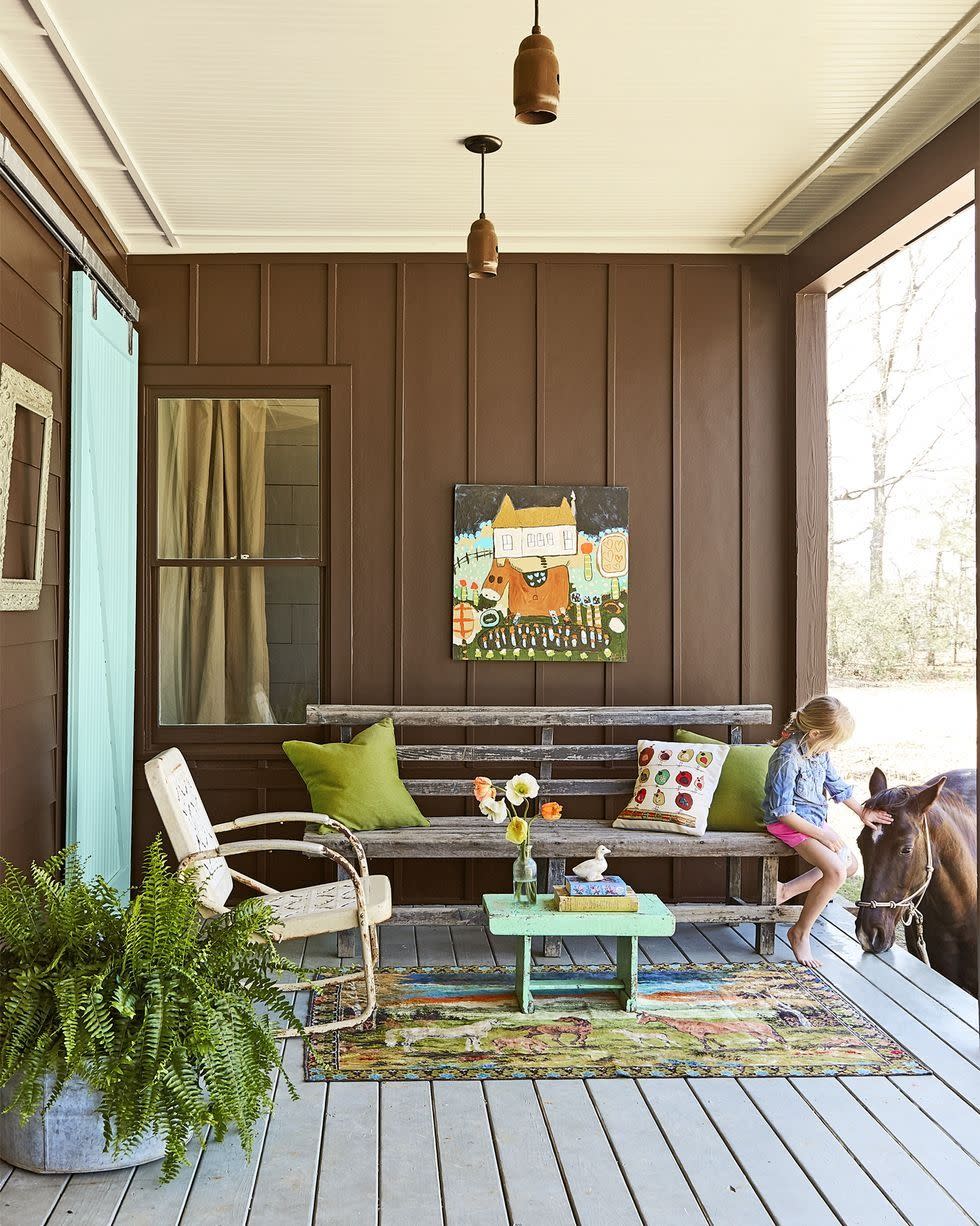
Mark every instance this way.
x=674 y=787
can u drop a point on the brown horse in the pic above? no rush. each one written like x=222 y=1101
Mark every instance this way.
x=533 y=593
x=896 y=867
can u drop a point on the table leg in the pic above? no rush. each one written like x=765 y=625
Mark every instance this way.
x=522 y=982
x=556 y=876
x=627 y=972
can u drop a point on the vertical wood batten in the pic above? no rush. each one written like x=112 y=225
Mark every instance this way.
x=811 y=494
x=399 y=525
x=562 y=370
x=265 y=312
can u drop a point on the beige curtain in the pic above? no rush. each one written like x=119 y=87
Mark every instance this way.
x=214 y=653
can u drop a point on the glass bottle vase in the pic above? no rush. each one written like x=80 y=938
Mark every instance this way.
x=525 y=876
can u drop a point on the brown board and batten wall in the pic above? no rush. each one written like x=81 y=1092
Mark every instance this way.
x=665 y=374
x=35 y=337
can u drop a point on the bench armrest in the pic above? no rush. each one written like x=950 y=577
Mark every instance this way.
x=317 y=819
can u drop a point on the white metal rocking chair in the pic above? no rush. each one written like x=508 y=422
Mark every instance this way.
x=362 y=902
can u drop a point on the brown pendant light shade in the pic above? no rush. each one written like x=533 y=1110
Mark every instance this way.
x=536 y=77
x=481 y=249
x=481 y=245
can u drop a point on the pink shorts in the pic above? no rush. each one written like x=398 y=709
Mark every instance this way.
x=791 y=837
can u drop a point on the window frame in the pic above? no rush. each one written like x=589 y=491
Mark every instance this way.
x=331 y=386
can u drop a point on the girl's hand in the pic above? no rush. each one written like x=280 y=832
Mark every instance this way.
x=874 y=819
x=830 y=838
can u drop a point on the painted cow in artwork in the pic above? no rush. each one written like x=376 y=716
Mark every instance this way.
x=530 y=593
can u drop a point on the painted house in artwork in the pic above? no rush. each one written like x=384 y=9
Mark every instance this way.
x=531 y=532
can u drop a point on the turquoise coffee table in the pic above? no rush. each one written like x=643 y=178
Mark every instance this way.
x=542 y=919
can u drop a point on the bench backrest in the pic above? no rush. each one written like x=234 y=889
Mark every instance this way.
x=540 y=756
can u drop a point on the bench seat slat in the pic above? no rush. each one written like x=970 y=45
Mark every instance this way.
x=540 y=717
x=452 y=837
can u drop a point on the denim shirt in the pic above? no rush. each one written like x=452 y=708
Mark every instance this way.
x=798 y=784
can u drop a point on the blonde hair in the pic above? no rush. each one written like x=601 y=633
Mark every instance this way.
x=821 y=724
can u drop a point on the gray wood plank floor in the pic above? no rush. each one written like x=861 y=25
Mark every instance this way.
x=719 y=1150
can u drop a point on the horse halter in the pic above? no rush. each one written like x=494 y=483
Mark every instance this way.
x=909 y=905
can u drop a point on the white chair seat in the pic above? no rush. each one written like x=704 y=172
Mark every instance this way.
x=328 y=908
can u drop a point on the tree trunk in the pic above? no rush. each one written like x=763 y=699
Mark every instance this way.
x=879 y=469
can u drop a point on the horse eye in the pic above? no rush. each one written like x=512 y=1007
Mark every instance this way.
x=906 y=851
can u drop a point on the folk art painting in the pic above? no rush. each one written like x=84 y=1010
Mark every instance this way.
x=540 y=572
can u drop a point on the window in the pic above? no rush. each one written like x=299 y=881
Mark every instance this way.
x=239 y=560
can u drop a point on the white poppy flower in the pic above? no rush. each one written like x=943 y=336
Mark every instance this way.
x=521 y=788
x=496 y=810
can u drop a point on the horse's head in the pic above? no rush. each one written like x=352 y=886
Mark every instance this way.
x=894 y=856
x=497 y=579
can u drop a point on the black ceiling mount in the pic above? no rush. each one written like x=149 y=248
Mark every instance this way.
x=483 y=144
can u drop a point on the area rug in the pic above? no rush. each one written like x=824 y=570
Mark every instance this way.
x=719 y=1020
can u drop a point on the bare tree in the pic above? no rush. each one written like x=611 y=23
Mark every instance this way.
x=885 y=386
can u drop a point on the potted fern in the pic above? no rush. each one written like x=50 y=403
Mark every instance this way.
x=129 y=1027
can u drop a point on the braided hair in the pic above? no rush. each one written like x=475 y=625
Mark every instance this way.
x=821 y=723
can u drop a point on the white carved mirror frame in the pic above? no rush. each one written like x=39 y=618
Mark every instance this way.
x=17 y=390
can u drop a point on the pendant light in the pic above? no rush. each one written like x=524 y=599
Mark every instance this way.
x=481 y=246
x=536 y=77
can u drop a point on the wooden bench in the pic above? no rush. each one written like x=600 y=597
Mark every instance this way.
x=462 y=837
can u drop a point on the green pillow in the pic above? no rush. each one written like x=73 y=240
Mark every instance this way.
x=357 y=782
x=737 y=802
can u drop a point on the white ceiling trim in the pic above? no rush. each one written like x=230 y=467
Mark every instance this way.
x=193 y=242
x=692 y=196
x=100 y=114
x=918 y=72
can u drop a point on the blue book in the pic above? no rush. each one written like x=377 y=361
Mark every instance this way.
x=608 y=887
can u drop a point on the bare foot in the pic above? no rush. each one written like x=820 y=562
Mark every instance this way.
x=800 y=944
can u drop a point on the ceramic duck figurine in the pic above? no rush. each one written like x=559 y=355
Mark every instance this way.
x=592 y=870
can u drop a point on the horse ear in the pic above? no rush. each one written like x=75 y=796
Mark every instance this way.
x=878 y=781
x=927 y=796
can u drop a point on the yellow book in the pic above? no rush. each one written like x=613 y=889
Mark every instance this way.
x=595 y=902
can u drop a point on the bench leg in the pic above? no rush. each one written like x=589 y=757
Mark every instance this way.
x=522 y=975
x=346 y=941
x=734 y=886
x=765 y=934
x=556 y=876
x=626 y=972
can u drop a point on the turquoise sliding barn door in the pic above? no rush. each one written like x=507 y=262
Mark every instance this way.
x=101 y=584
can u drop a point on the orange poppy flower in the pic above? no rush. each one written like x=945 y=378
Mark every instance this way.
x=551 y=811
x=483 y=788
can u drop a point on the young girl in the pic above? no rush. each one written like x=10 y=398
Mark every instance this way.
x=801 y=777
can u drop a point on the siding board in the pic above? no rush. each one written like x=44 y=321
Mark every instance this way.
x=564 y=369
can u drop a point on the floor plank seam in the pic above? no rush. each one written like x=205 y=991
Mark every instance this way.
x=899 y=1084
x=673 y=1152
x=844 y=1145
x=588 y=1083
x=558 y=1158
x=496 y=1153
x=901 y=1144
x=436 y=1148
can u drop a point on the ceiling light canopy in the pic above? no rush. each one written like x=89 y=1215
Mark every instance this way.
x=481 y=245
x=536 y=77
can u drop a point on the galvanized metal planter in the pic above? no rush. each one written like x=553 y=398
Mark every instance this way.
x=68 y=1138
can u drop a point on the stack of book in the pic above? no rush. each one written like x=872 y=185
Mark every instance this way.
x=609 y=894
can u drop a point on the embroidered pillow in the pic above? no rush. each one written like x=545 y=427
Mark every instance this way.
x=674 y=787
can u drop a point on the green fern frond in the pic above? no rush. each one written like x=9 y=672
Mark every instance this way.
x=166 y=1016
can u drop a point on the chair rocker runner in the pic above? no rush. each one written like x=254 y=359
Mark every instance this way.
x=361 y=902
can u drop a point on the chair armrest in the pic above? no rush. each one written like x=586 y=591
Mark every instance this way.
x=264 y=819
x=318 y=819
x=315 y=851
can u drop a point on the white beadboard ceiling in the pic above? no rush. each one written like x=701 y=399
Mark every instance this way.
x=244 y=125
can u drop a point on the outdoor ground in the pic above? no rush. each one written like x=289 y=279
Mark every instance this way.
x=912 y=730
